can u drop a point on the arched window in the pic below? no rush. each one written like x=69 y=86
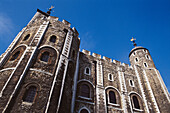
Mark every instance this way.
x=135 y=102
x=136 y=59
x=145 y=64
x=15 y=56
x=26 y=37
x=110 y=77
x=85 y=91
x=30 y=94
x=87 y=71
x=45 y=56
x=53 y=39
x=84 y=111
x=112 y=97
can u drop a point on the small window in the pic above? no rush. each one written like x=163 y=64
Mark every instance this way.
x=45 y=56
x=30 y=94
x=15 y=56
x=134 y=53
x=87 y=71
x=145 y=64
x=136 y=102
x=53 y=39
x=136 y=59
x=84 y=111
x=112 y=97
x=26 y=37
x=85 y=91
x=147 y=56
x=110 y=77
x=131 y=83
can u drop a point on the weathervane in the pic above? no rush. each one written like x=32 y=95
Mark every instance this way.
x=133 y=40
x=50 y=9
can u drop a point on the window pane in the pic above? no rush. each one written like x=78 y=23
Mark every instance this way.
x=30 y=94
x=85 y=91
x=45 y=56
x=26 y=37
x=87 y=71
x=136 y=102
x=112 y=97
x=15 y=56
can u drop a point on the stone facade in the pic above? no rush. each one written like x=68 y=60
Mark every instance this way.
x=43 y=71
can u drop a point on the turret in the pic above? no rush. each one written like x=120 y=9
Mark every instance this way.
x=141 y=56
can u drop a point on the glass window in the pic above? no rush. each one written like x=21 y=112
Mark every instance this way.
x=112 y=97
x=15 y=56
x=30 y=94
x=53 y=39
x=45 y=56
x=85 y=91
x=136 y=102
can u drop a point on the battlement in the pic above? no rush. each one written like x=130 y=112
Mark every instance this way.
x=105 y=58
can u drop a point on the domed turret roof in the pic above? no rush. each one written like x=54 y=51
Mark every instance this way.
x=136 y=48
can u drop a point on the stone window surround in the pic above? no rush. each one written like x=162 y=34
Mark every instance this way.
x=133 y=85
x=147 y=57
x=145 y=64
x=139 y=100
x=85 y=71
x=111 y=77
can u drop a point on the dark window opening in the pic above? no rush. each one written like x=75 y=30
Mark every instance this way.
x=136 y=59
x=136 y=102
x=45 y=56
x=85 y=91
x=112 y=97
x=30 y=94
x=84 y=111
x=26 y=37
x=110 y=77
x=65 y=30
x=53 y=39
x=87 y=71
x=147 y=56
x=15 y=56
x=131 y=82
x=145 y=65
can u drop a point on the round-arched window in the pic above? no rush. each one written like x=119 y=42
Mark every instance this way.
x=85 y=91
x=135 y=102
x=84 y=111
x=45 y=56
x=15 y=56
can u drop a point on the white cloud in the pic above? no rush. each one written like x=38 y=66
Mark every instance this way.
x=6 y=25
x=87 y=41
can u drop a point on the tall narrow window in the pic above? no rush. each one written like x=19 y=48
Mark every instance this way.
x=112 y=97
x=30 y=94
x=84 y=111
x=145 y=65
x=136 y=102
x=53 y=39
x=85 y=91
x=45 y=56
x=147 y=56
x=110 y=77
x=26 y=37
x=15 y=56
x=131 y=83
x=136 y=59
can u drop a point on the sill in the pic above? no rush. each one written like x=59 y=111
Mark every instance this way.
x=86 y=98
x=114 y=104
x=135 y=109
x=27 y=103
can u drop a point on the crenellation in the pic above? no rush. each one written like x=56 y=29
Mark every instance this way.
x=96 y=55
x=117 y=62
x=86 y=52
x=66 y=23
x=107 y=59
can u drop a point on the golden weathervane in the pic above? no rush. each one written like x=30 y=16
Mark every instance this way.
x=133 y=40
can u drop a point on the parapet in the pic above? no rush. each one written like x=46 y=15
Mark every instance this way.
x=96 y=55
x=86 y=52
x=66 y=23
x=117 y=62
x=107 y=59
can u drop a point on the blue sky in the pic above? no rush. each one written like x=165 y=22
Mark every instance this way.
x=105 y=26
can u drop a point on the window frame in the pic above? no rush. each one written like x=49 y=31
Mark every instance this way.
x=41 y=55
x=85 y=71
x=112 y=78
x=52 y=40
x=133 y=85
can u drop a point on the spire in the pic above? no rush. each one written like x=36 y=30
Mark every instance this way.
x=133 y=40
x=49 y=10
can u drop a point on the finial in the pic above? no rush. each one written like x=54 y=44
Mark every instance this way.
x=133 y=40
x=50 y=9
